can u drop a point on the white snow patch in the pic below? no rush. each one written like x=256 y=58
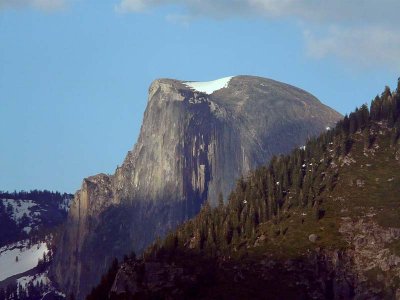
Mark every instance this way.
x=27 y=229
x=302 y=148
x=61 y=294
x=66 y=204
x=19 y=208
x=35 y=280
x=28 y=258
x=209 y=87
x=328 y=128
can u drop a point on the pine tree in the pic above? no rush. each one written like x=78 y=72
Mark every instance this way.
x=353 y=126
x=386 y=94
x=398 y=86
x=376 y=107
x=363 y=116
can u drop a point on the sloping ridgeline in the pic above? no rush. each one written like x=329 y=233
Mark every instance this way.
x=322 y=222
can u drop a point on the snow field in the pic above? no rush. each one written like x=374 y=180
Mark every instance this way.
x=28 y=258
x=209 y=87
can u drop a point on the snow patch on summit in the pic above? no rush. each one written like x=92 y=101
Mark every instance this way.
x=209 y=87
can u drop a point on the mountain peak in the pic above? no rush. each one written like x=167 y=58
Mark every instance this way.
x=196 y=140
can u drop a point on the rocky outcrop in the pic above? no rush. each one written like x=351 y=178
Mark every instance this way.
x=192 y=147
x=144 y=280
x=375 y=263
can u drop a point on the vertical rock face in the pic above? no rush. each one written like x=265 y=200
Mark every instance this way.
x=195 y=141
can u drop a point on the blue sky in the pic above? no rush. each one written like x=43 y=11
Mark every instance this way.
x=74 y=75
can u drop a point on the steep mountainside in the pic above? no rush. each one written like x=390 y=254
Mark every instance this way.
x=320 y=223
x=195 y=141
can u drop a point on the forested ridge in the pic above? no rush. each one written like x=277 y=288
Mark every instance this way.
x=295 y=180
x=50 y=208
x=35 y=195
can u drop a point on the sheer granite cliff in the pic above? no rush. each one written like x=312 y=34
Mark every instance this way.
x=192 y=147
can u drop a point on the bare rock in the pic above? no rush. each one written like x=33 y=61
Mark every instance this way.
x=360 y=183
x=313 y=238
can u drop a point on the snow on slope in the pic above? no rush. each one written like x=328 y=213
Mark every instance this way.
x=32 y=210
x=28 y=258
x=65 y=204
x=19 y=208
x=209 y=87
x=35 y=280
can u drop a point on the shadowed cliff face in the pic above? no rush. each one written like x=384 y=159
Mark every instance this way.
x=192 y=146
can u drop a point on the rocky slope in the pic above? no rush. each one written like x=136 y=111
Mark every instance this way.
x=195 y=141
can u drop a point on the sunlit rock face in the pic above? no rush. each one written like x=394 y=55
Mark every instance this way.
x=196 y=140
